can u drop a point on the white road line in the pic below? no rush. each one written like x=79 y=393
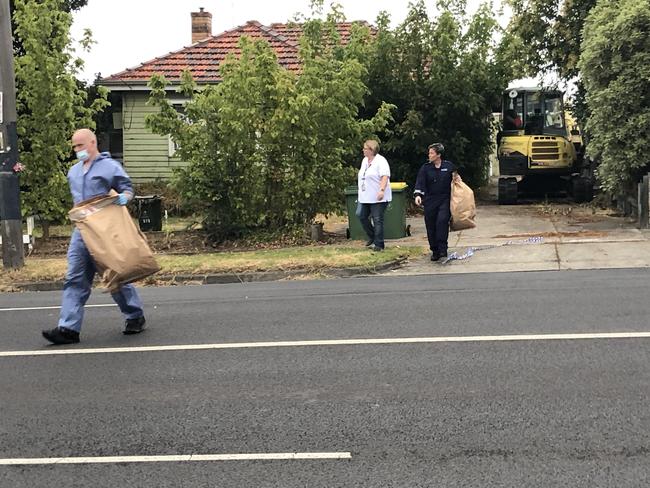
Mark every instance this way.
x=180 y=458
x=22 y=309
x=53 y=351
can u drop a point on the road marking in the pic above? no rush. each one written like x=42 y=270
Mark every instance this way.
x=175 y=459
x=22 y=309
x=53 y=351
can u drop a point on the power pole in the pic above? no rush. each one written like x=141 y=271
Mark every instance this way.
x=11 y=227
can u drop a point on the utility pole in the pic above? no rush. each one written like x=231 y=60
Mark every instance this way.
x=11 y=227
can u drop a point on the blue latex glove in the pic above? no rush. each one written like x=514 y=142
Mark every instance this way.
x=122 y=199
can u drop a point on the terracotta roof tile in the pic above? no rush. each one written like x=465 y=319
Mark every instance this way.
x=204 y=57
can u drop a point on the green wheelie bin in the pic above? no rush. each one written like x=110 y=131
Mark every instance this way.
x=394 y=219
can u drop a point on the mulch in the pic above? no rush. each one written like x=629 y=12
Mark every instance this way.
x=184 y=242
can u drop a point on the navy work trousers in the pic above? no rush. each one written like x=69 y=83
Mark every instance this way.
x=436 y=218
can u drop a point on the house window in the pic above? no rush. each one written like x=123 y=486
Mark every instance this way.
x=172 y=146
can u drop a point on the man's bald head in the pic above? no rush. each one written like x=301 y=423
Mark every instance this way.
x=85 y=133
x=85 y=139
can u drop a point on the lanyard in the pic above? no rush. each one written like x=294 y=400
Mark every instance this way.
x=368 y=164
x=363 y=177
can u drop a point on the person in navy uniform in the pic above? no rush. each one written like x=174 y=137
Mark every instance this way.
x=433 y=188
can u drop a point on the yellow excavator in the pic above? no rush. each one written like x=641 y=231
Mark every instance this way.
x=540 y=147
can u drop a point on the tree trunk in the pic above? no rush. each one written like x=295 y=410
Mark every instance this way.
x=46 y=229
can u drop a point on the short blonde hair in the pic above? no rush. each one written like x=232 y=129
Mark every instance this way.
x=372 y=145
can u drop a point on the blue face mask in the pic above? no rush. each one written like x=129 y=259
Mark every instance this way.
x=82 y=155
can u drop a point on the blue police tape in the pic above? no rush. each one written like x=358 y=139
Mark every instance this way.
x=454 y=256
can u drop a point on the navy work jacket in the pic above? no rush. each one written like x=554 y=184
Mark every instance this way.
x=434 y=184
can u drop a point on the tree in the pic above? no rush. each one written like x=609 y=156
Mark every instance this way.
x=549 y=34
x=66 y=5
x=50 y=104
x=615 y=66
x=268 y=150
x=445 y=78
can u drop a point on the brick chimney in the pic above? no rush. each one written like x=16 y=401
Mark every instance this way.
x=201 y=25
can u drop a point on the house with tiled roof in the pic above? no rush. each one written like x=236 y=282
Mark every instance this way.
x=147 y=156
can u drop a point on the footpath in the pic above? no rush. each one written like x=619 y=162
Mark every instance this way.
x=535 y=237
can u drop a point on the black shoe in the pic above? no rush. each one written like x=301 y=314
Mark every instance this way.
x=134 y=326
x=376 y=249
x=435 y=256
x=370 y=242
x=61 y=335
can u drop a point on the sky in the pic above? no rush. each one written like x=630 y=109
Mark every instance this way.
x=130 y=32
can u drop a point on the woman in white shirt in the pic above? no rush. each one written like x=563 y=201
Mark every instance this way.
x=373 y=194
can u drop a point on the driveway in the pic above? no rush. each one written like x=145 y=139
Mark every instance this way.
x=536 y=237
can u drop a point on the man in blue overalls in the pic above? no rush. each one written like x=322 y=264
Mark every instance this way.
x=433 y=187
x=95 y=174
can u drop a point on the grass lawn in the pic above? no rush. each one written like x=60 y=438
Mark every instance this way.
x=311 y=259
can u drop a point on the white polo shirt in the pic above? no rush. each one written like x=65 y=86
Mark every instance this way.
x=369 y=179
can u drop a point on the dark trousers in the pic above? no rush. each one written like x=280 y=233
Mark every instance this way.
x=436 y=217
x=374 y=230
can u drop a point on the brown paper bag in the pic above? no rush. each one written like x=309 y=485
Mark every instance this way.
x=463 y=208
x=117 y=246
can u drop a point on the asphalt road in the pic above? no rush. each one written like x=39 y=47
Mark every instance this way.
x=482 y=413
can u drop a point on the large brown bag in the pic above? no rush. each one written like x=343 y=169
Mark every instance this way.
x=463 y=208
x=117 y=246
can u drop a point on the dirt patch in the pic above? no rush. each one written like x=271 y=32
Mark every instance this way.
x=576 y=213
x=53 y=247
x=580 y=233
x=584 y=220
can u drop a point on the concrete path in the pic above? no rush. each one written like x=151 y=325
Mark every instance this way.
x=573 y=237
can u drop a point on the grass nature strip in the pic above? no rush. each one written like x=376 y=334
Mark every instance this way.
x=311 y=259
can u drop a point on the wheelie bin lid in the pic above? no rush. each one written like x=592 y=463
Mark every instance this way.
x=397 y=186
